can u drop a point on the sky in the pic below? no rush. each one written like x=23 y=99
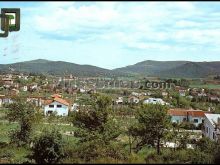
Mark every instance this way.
x=114 y=34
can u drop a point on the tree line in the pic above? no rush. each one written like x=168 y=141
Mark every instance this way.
x=100 y=136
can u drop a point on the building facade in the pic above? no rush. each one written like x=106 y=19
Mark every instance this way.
x=187 y=115
x=58 y=106
x=211 y=126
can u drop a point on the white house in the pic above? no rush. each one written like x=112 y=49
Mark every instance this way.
x=119 y=100
x=81 y=90
x=25 y=77
x=211 y=128
x=154 y=101
x=75 y=107
x=58 y=105
x=5 y=100
x=182 y=93
x=180 y=115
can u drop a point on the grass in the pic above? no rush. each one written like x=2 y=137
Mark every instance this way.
x=13 y=154
x=17 y=154
x=5 y=127
x=209 y=86
x=62 y=128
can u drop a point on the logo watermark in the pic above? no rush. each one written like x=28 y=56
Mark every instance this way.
x=158 y=85
x=113 y=84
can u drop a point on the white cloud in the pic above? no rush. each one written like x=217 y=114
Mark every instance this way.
x=72 y=18
x=145 y=26
x=185 y=23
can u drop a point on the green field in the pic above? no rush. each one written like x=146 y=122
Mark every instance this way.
x=17 y=154
x=208 y=86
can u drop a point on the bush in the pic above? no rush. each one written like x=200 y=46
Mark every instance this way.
x=153 y=157
x=48 y=147
x=3 y=144
x=5 y=154
x=182 y=156
x=187 y=125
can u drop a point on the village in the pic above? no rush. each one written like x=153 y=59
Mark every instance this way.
x=194 y=108
x=109 y=83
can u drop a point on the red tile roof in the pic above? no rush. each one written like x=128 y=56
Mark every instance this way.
x=62 y=101
x=175 y=112
x=196 y=113
x=185 y=112
x=59 y=100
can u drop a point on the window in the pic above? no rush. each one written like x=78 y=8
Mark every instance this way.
x=49 y=112
x=213 y=135
x=59 y=106
x=196 y=120
x=207 y=129
x=51 y=106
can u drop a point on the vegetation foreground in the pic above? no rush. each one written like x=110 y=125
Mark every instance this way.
x=97 y=135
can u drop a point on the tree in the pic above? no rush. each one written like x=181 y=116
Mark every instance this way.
x=216 y=151
x=183 y=140
x=38 y=116
x=97 y=130
x=184 y=103
x=206 y=145
x=52 y=117
x=184 y=83
x=48 y=148
x=24 y=113
x=153 y=123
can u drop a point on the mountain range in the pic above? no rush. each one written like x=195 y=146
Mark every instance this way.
x=170 y=69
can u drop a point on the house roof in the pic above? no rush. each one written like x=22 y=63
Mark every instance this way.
x=212 y=118
x=2 y=95
x=196 y=113
x=175 y=112
x=185 y=112
x=59 y=100
x=62 y=101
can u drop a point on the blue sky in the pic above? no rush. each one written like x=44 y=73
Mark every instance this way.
x=114 y=34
